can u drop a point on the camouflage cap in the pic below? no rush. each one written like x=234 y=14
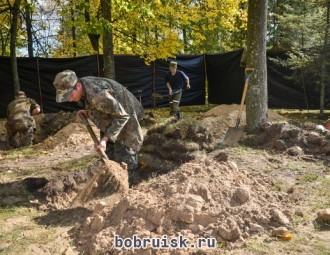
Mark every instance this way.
x=173 y=64
x=64 y=83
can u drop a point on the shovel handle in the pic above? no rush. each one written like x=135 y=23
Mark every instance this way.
x=248 y=73
x=91 y=132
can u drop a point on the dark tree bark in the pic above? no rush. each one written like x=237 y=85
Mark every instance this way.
x=108 y=51
x=13 y=36
x=28 y=22
x=257 y=98
x=93 y=38
x=324 y=61
x=185 y=40
x=73 y=31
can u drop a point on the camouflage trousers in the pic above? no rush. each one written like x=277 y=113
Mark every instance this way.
x=121 y=153
x=19 y=134
x=174 y=104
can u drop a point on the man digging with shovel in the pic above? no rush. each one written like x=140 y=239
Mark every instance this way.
x=112 y=108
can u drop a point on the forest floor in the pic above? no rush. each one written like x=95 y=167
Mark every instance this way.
x=266 y=195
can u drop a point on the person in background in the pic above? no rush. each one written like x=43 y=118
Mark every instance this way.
x=175 y=81
x=112 y=108
x=20 y=124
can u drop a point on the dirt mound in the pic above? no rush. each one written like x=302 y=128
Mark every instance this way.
x=219 y=118
x=71 y=135
x=50 y=123
x=294 y=140
x=203 y=198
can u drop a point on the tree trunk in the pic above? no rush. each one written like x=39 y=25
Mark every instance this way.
x=257 y=98
x=324 y=75
x=73 y=31
x=185 y=40
x=13 y=36
x=108 y=52
x=28 y=18
x=93 y=38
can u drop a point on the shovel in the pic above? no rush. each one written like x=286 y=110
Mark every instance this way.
x=233 y=134
x=108 y=176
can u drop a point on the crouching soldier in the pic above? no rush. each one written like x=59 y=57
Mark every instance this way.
x=20 y=123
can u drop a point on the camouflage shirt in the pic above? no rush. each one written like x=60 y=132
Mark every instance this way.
x=114 y=110
x=20 y=111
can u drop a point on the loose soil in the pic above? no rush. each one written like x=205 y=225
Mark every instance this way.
x=262 y=196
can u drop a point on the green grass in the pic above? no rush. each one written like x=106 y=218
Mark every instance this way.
x=322 y=248
x=63 y=166
x=23 y=172
x=187 y=111
x=76 y=164
x=257 y=247
x=279 y=186
x=304 y=115
x=25 y=233
x=27 y=152
x=197 y=110
x=309 y=177
x=9 y=212
x=294 y=246
x=325 y=181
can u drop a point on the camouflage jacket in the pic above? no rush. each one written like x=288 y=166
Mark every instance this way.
x=20 y=111
x=114 y=110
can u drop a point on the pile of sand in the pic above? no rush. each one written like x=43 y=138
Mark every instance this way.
x=207 y=197
x=218 y=119
x=72 y=135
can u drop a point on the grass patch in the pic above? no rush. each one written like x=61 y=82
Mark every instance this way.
x=23 y=172
x=9 y=212
x=322 y=248
x=278 y=186
x=325 y=181
x=294 y=246
x=27 y=152
x=187 y=111
x=304 y=115
x=309 y=177
x=293 y=166
x=19 y=232
x=76 y=164
x=257 y=247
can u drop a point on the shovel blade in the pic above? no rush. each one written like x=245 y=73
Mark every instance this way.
x=232 y=136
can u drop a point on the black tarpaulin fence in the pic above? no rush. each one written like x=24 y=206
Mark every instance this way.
x=37 y=74
x=223 y=72
x=225 y=77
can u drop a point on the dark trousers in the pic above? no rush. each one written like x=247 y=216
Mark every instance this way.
x=121 y=153
x=174 y=103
